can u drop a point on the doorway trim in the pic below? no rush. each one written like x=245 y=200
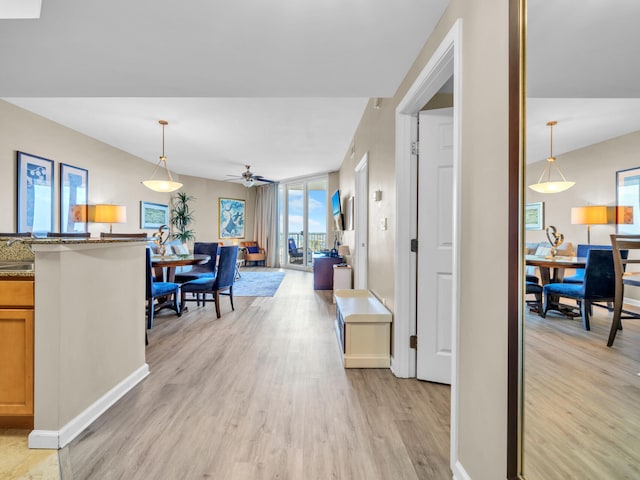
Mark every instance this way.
x=445 y=62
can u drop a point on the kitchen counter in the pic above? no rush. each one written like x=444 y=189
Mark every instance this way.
x=89 y=328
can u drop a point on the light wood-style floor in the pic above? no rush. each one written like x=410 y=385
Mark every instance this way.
x=261 y=393
x=582 y=399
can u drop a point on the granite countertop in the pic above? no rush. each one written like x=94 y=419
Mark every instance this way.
x=18 y=249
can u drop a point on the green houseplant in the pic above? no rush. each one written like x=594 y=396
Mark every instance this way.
x=182 y=217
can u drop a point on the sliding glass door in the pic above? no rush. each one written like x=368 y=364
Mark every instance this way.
x=303 y=221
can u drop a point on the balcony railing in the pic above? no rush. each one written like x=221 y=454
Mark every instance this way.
x=316 y=241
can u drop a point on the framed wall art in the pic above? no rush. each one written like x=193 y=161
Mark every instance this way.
x=230 y=218
x=74 y=196
x=153 y=215
x=628 y=195
x=35 y=194
x=534 y=216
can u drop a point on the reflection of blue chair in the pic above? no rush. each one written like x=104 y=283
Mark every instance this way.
x=159 y=289
x=294 y=255
x=207 y=269
x=598 y=285
x=582 y=251
x=222 y=282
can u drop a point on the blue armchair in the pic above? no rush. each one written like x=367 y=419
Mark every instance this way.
x=157 y=290
x=221 y=284
x=598 y=285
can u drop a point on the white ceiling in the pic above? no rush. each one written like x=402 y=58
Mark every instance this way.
x=278 y=85
x=281 y=85
x=582 y=70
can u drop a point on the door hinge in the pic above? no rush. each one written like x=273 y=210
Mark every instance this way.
x=414 y=244
x=415 y=148
x=413 y=341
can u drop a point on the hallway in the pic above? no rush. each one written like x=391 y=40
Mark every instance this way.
x=261 y=393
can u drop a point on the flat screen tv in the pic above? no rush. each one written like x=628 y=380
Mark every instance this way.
x=336 y=210
x=335 y=203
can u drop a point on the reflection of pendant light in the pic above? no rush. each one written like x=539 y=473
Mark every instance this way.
x=162 y=185
x=549 y=186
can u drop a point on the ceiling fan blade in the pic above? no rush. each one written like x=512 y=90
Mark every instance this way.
x=260 y=178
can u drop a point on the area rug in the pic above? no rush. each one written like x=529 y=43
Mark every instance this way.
x=257 y=284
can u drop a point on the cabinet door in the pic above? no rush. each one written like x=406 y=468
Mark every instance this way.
x=16 y=362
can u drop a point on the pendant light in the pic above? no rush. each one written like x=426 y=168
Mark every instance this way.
x=164 y=186
x=549 y=186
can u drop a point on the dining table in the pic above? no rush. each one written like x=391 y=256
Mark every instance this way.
x=552 y=268
x=164 y=266
x=552 y=271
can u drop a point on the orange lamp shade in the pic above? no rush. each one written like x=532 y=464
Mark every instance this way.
x=589 y=215
x=103 y=213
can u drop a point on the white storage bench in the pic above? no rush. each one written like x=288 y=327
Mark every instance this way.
x=363 y=328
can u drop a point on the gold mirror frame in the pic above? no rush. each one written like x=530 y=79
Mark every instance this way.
x=517 y=37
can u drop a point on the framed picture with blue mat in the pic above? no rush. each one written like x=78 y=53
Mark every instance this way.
x=230 y=218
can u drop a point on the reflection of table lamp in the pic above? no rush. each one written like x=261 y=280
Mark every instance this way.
x=600 y=215
x=110 y=214
x=589 y=215
x=343 y=250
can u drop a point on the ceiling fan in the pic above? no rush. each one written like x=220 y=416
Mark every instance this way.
x=248 y=178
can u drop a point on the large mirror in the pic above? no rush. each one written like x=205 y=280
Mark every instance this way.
x=581 y=398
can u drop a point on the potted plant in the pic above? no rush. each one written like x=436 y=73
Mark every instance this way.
x=182 y=217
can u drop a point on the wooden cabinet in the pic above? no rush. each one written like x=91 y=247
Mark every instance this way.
x=323 y=272
x=16 y=353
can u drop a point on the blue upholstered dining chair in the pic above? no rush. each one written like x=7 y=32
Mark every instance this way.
x=582 y=251
x=598 y=285
x=207 y=269
x=535 y=289
x=160 y=290
x=221 y=284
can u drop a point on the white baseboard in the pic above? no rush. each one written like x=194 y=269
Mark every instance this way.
x=54 y=439
x=631 y=301
x=459 y=473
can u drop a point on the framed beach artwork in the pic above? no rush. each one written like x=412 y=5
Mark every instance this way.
x=153 y=215
x=35 y=194
x=74 y=195
x=628 y=195
x=230 y=218
x=534 y=216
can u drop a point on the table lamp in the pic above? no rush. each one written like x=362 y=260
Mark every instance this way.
x=600 y=215
x=343 y=250
x=589 y=215
x=102 y=213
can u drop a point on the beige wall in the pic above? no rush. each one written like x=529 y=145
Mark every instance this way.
x=483 y=318
x=114 y=175
x=594 y=170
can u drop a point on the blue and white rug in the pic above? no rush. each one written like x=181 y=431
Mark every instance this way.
x=257 y=284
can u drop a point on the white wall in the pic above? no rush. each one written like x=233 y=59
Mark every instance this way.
x=593 y=169
x=483 y=317
x=114 y=175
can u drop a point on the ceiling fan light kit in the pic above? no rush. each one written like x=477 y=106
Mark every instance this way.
x=248 y=178
x=163 y=186
x=551 y=186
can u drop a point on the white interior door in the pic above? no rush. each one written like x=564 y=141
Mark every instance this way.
x=435 y=245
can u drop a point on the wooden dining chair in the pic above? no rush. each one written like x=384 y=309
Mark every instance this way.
x=122 y=235
x=623 y=247
x=83 y=235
